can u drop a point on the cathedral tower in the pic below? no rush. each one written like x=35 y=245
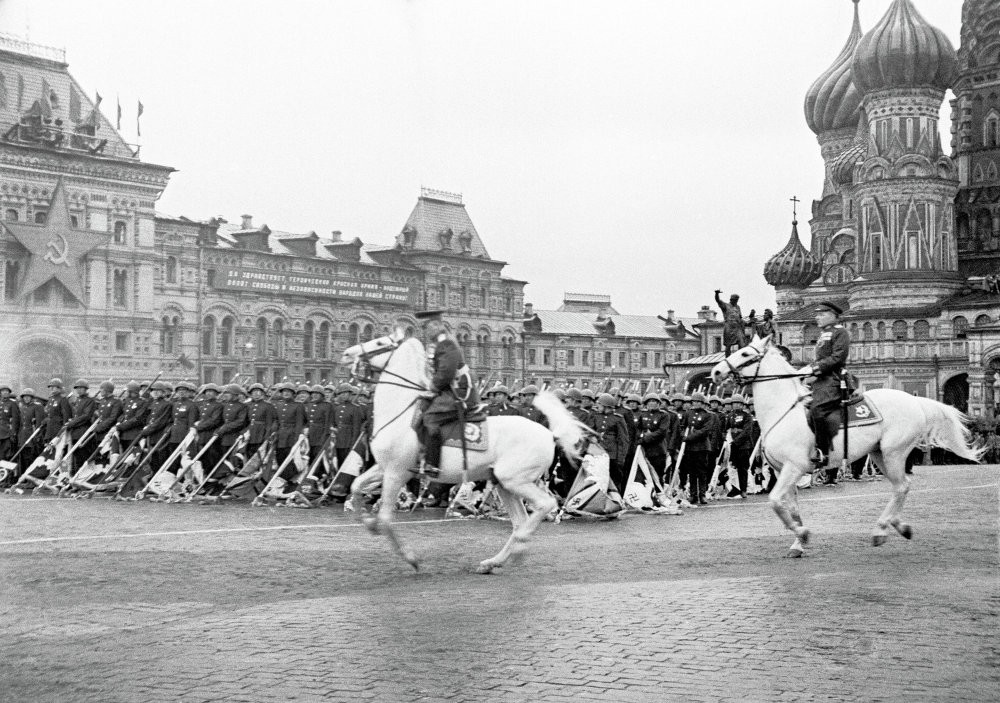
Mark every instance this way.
x=905 y=186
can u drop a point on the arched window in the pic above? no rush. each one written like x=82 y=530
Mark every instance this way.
x=899 y=330
x=881 y=331
x=308 y=337
x=983 y=320
x=11 y=270
x=120 y=288
x=354 y=334
x=279 y=339
x=261 y=337
x=167 y=337
x=959 y=326
x=991 y=131
x=171 y=269
x=11 y=215
x=868 y=332
x=208 y=336
x=323 y=341
x=121 y=229
x=483 y=302
x=39 y=218
x=465 y=297
x=854 y=332
x=369 y=333
x=226 y=337
x=921 y=329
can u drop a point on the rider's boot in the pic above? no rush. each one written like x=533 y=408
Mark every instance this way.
x=432 y=454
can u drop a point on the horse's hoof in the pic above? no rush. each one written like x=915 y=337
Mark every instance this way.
x=905 y=530
x=371 y=524
x=412 y=560
x=803 y=534
x=794 y=553
x=878 y=540
x=484 y=568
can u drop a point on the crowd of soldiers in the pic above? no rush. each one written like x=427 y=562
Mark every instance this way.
x=120 y=441
x=659 y=423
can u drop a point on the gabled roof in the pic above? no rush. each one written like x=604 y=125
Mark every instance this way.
x=705 y=360
x=227 y=239
x=25 y=77
x=431 y=217
x=583 y=324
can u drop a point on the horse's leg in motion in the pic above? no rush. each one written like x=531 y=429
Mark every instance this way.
x=893 y=467
x=780 y=501
x=361 y=485
x=541 y=503
x=392 y=481
x=796 y=550
x=518 y=516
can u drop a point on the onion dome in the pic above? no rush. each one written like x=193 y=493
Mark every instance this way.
x=792 y=266
x=904 y=51
x=833 y=99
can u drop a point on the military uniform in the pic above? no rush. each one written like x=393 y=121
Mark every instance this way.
x=613 y=436
x=319 y=418
x=84 y=409
x=455 y=393
x=234 y=421
x=32 y=414
x=740 y=425
x=291 y=422
x=347 y=420
x=10 y=425
x=183 y=418
x=58 y=412
x=697 y=428
x=262 y=421
x=832 y=351
x=135 y=413
x=653 y=427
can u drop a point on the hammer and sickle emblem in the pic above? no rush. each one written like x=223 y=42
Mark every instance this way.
x=862 y=411
x=54 y=255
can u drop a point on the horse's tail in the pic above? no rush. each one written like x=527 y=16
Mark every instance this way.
x=569 y=432
x=947 y=427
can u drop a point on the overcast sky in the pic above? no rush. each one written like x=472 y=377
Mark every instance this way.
x=647 y=150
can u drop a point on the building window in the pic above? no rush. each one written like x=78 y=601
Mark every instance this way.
x=607 y=358
x=622 y=360
x=210 y=278
x=261 y=376
x=279 y=339
x=571 y=358
x=73 y=221
x=483 y=303
x=308 y=337
x=810 y=333
x=881 y=331
x=644 y=360
x=657 y=360
x=120 y=232
x=368 y=334
x=899 y=330
x=983 y=320
x=868 y=332
x=546 y=357
x=168 y=336
x=228 y=374
x=354 y=334
x=120 y=288
x=716 y=344
x=11 y=270
x=208 y=374
x=39 y=218
x=465 y=297
x=226 y=337
x=855 y=331
x=532 y=356
x=208 y=336
x=122 y=342
x=585 y=358
x=323 y=341
x=12 y=215
x=921 y=329
x=959 y=327
x=171 y=269
x=261 y=337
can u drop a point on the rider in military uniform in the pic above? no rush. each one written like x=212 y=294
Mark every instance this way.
x=454 y=391
x=832 y=350
x=612 y=435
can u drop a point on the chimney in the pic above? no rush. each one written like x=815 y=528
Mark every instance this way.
x=670 y=316
x=529 y=309
x=335 y=235
x=247 y=221
x=707 y=314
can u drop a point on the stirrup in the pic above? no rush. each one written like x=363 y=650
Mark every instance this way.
x=429 y=470
x=820 y=459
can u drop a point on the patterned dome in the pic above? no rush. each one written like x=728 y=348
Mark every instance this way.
x=833 y=99
x=792 y=266
x=904 y=51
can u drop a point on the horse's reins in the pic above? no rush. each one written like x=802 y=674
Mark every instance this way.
x=407 y=383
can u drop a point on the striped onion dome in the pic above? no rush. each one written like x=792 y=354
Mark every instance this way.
x=793 y=266
x=832 y=101
x=904 y=51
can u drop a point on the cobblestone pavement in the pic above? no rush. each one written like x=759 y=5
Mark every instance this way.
x=110 y=602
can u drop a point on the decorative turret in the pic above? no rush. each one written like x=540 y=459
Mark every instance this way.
x=904 y=51
x=833 y=100
x=793 y=266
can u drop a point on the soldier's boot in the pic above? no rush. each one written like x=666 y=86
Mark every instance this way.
x=432 y=453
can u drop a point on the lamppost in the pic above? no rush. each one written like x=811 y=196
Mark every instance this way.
x=996 y=392
x=248 y=348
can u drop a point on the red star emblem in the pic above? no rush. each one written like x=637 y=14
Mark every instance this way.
x=57 y=248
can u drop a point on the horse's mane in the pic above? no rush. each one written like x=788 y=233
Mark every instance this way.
x=414 y=346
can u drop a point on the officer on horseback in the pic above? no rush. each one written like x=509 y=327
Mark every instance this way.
x=832 y=350
x=454 y=391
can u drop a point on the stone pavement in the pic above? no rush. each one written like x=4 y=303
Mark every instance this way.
x=110 y=602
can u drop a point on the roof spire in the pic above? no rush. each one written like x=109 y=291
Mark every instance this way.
x=795 y=201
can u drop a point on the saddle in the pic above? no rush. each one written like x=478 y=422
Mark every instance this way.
x=475 y=430
x=860 y=412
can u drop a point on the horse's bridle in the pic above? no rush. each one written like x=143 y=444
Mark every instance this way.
x=742 y=380
x=361 y=370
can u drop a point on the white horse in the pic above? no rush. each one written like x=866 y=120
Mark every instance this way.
x=788 y=443
x=519 y=450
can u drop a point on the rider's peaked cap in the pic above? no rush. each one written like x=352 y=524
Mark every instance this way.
x=832 y=307
x=428 y=314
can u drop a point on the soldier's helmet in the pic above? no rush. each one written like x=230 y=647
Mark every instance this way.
x=501 y=389
x=574 y=393
x=665 y=397
x=4 y=385
x=366 y=392
x=167 y=388
x=714 y=399
x=530 y=390
x=107 y=386
x=345 y=388
x=81 y=383
x=317 y=389
x=132 y=386
x=727 y=401
x=159 y=386
x=633 y=398
x=185 y=386
x=286 y=386
x=607 y=400
x=615 y=391
x=697 y=397
x=686 y=398
x=650 y=396
x=56 y=383
x=258 y=387
x=588 y=393
x=236 y=390
x=677 y=396
x=559 y=393
x=737 y=398
x=28 y=391
x=211 y=387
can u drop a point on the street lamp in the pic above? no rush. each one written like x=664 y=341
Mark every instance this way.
x=248 y=348
x=996 y=392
